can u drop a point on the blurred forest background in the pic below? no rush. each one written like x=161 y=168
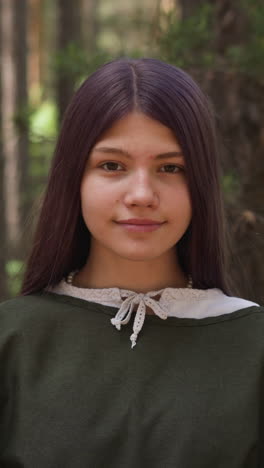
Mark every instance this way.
x=48 y=47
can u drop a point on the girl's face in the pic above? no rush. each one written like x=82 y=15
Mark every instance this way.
x=134 y=195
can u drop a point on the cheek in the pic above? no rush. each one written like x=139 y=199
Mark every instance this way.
x=180 y=202
x=95 y=198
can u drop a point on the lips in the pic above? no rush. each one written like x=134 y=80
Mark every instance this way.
x=139 y=221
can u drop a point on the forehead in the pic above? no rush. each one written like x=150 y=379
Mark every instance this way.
x=136 y=130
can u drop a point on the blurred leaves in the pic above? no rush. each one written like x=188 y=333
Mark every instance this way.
x=74 y=61
x=14 y=276
x=231 y=185
x=22 y=117
x=193 y=42
x=43 y=121
x=190 y=42
x=249 y=57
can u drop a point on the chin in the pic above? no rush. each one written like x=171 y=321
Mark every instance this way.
x=139 y=257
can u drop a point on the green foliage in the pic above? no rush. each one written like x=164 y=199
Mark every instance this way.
x=44 y=121
x=14 y=276
x=74 y=62
x=249 y=57
x=230 y=185
x=119 y=35
x=190 y=42
x=22 y=117
x=43 y=130
x=124 y=27
x=43 y=133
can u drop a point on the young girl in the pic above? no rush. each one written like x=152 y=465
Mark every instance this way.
x=126 y=348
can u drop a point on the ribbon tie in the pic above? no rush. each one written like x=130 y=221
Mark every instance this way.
x=124 y=313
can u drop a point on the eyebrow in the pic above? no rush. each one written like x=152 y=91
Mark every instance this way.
x=107 y=149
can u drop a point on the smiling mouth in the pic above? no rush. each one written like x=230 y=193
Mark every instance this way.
x=140 y=227
x=140 y=221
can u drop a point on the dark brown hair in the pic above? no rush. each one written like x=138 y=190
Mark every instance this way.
x=162 y=92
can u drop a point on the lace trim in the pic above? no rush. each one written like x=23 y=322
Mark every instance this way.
x=127 y=301
x=173 y=302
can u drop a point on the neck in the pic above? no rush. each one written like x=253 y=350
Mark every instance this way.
x=100 y=271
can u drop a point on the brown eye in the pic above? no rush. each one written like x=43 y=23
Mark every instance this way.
x=171 y=168
x=111 y=166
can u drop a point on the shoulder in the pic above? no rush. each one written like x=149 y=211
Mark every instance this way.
x=232 y=307
x=221 y=303
x=230 y=304
x=229 y=308
x=19 y=311
x=208 y=304
x=24 y=303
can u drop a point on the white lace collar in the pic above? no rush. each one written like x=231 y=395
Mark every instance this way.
x=168 y=302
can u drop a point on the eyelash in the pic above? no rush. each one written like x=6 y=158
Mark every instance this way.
x=118 y=164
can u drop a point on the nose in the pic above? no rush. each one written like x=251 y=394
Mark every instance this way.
x=140 y=191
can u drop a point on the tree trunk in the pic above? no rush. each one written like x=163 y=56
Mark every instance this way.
x=189 y=7
x=21 y=100
x=3 y=250
x=90 y=24
x=69 y=31
x=230 y=21
x=14 y=112
x=34 y=37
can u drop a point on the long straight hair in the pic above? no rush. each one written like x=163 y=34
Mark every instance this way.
x=162 y=92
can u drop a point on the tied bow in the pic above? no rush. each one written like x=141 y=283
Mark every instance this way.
x=124 y=313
